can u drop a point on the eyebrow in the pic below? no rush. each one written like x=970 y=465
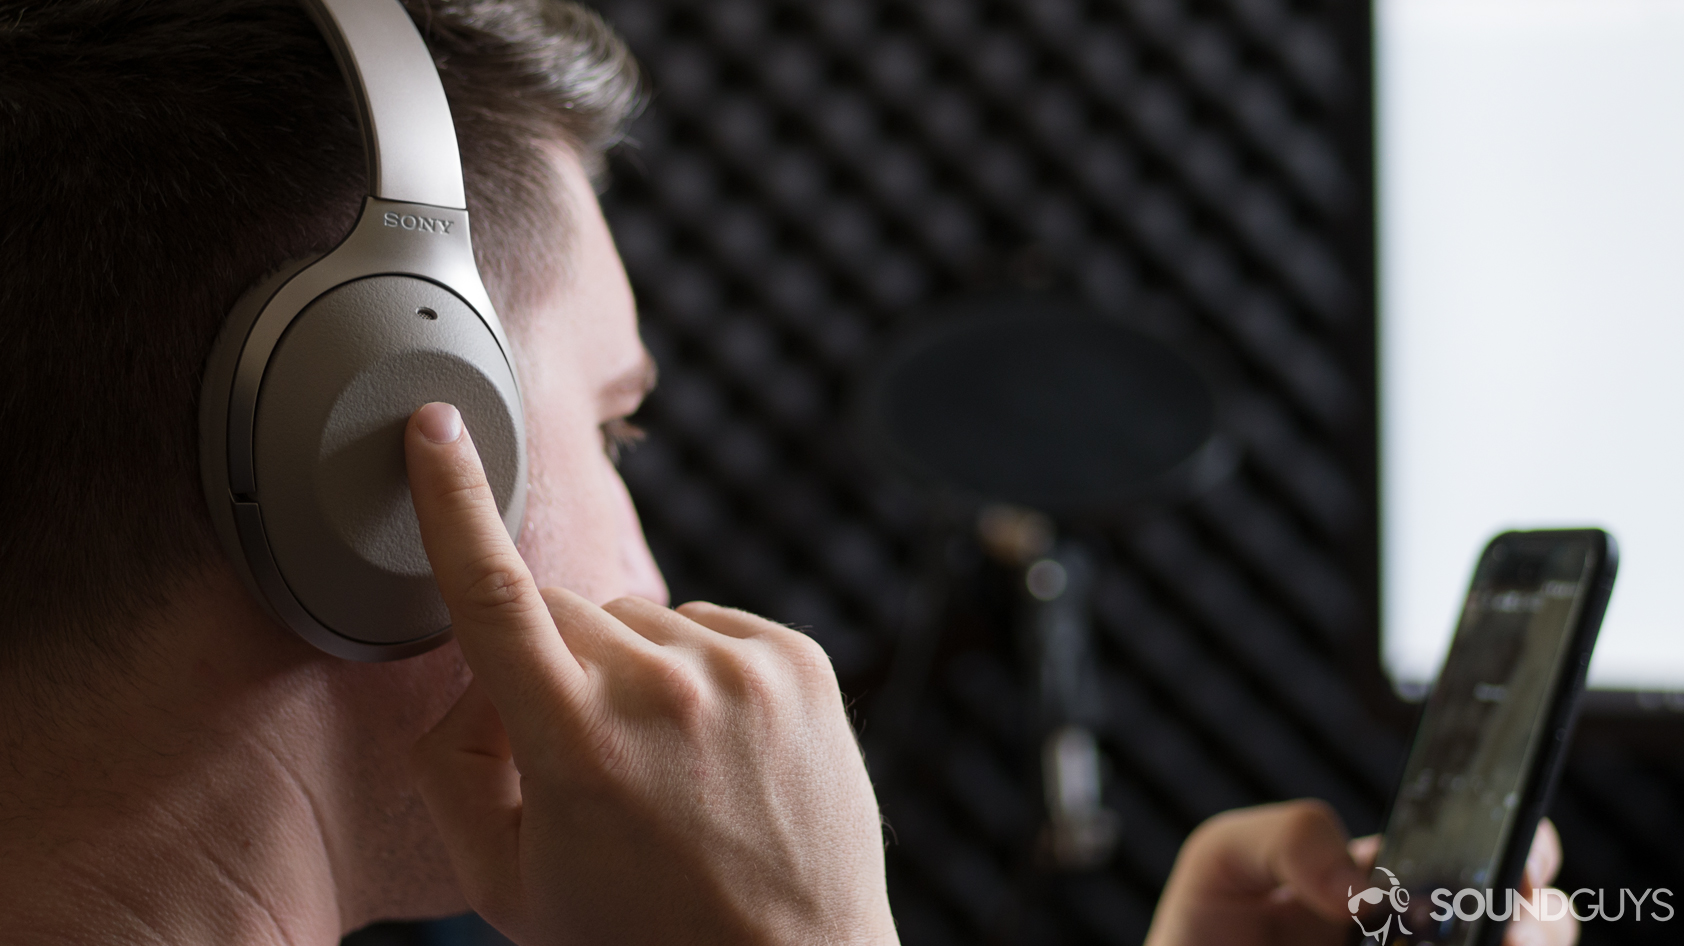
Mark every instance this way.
x=633 y=384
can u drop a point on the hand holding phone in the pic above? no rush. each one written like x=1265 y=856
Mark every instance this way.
x=1490 y=745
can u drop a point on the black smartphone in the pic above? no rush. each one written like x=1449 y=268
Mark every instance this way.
x=1490 y=745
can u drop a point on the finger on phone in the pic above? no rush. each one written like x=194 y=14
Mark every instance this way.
x=498 y=615
x=1364 y=850
x=1544 y=860
x=1531 y=931
x=1298 y=845
x=1542 y=864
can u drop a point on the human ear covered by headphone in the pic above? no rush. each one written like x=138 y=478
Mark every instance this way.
x=319 y=366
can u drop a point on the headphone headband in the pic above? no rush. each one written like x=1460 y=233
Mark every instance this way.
x=405 y=118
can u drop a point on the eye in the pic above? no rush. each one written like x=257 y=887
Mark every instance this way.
x=619 y=436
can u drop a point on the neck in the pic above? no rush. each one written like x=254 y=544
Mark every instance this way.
x=141 y=829
x=218 y=795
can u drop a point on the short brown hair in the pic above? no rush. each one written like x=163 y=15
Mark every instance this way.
x=156 y=158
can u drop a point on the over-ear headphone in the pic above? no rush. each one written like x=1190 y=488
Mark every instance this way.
x=319 y=366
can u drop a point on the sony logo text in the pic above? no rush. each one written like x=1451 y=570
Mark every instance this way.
x=411 y=222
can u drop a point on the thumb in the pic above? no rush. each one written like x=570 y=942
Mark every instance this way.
x=467 y=778
x=1543 y=862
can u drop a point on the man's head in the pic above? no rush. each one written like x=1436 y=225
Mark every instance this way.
x=158 y=157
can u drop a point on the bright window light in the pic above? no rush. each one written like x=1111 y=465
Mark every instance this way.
x=1531 y=192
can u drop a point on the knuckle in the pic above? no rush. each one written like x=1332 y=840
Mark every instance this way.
x=747 y=673
x=677 y=690
x=465 y=487
x=1308 y=816
x=684 y=700
x=691 y=609
x=646 y=616
x=625 y=604
x=1214 y=832
x=808 y=656
x=1212 y=827
x=497 y=584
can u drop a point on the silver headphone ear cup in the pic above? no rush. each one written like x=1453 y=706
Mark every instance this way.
x=315 y=373
x=328 y=449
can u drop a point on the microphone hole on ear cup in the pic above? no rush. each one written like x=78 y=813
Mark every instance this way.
x=427 y=313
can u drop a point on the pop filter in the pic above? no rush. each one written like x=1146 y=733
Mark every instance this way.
x=1034 y=400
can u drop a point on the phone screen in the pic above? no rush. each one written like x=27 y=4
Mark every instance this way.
x=1488 y=719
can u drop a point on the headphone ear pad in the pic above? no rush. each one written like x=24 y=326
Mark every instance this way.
x=328 y=448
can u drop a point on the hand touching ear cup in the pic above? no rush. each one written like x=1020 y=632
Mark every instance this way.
x=319 y=366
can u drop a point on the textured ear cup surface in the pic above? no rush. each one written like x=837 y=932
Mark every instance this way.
x=328 y=447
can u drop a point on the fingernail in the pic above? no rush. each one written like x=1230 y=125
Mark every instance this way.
x=439 y=422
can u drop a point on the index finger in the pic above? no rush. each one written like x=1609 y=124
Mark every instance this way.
x=504 y=627
x=1300 y=845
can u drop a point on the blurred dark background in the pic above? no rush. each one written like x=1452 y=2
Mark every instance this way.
x=810 y=180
